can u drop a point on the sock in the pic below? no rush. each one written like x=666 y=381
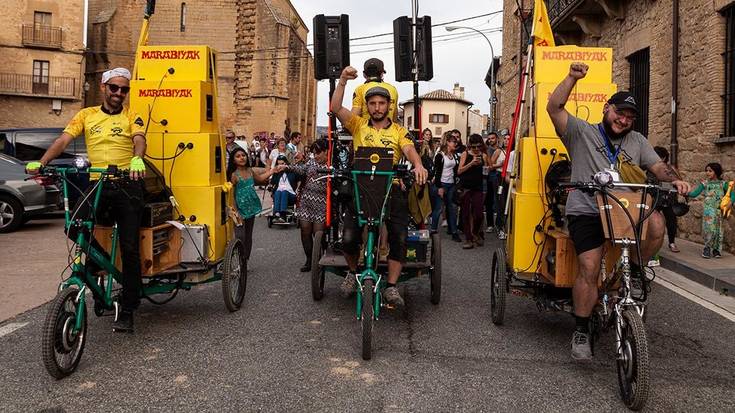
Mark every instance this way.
x=387 y=285
x=583 y=324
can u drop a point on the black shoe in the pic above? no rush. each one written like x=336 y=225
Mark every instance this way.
x=124 y=322
x=306 y=267
x=456 y=238
x=716 y=254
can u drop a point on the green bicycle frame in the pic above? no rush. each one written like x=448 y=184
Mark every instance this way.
x=373 y=228
x=81 y=277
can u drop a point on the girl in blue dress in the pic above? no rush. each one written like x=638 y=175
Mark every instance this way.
x=243 y=179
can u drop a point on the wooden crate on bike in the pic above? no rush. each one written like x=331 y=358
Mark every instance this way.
x=160 y=247
x=559 y=260
x=622 y=227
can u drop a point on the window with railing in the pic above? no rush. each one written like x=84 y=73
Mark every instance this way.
x=438 y=118
x=640 y=69
x=41 y=33
x=729 y=56
x=40 y=77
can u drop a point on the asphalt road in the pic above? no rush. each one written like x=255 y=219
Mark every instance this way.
x=284 y=352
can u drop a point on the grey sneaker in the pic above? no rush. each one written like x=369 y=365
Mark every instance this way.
x=490 y=229
x=581 y=349
x=501 y=234
x=347 y=288
x=392 y=296
x=706 y=253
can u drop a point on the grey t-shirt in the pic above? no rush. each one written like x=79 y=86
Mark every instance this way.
x=588 y=153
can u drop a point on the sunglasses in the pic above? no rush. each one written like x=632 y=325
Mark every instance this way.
x=475 y=146
x=115 y=88
x=621 y=114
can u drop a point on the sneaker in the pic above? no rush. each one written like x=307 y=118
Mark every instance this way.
x=706 y=253
x=501 y=234
x=347 y=288
x=479 y=242
x=306 y=267
x=468 y=245
x=124 y=322
x=444 y=223
x=392 y=297
x=673 y=247
x=456 y=238
x=716 y=254
x=490 y=229
x=581 y=349
x=654 y=263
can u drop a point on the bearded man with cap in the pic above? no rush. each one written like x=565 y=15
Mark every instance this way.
x=114 y=135
x=613 y=146
x=378 y=131
x=373 y=72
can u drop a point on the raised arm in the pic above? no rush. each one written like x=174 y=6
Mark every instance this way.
x=558 y=99
x=343 y=114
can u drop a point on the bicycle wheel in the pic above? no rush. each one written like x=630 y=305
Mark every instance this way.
x=499 y=282
x=436 y=272
x=632 y=361
x=62 y=347
x=317 y=271
x=234 y=276
x=367 y=319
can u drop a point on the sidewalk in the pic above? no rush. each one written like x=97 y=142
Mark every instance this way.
x=715 y=273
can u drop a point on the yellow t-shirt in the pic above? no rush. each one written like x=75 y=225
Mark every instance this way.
x=358 y=99
x=109 y=137
x=364 y=134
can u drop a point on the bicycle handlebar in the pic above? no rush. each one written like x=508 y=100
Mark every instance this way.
x=110 y=171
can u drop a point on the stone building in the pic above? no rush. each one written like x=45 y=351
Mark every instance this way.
x=443 y=111
x=265 y=72
x=42 y=77
x=693 y=72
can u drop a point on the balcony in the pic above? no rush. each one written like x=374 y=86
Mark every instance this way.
x=571 y=19
x=28 y=85
x=46 y=37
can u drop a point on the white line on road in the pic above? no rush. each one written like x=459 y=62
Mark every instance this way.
x=699 y=294
x=10 y=327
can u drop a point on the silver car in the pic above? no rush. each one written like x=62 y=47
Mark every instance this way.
x=22 y=198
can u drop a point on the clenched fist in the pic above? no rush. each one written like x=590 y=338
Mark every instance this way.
x=578 y=70
x=349 y=73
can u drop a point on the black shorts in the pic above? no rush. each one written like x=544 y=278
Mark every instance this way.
x=586 y=232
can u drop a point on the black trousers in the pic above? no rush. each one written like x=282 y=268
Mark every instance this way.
x=670 y=223
x=121 y=202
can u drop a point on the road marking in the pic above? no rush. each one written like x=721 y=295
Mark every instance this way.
x=9 y=328
x=664 y=277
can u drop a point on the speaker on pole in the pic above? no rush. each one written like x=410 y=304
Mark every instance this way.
x=403 y=50
x=331 y=45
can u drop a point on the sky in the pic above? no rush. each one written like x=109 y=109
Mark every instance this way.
x=462 y=57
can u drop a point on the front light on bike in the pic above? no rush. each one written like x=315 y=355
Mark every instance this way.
x=603 y=178
x=81 y=162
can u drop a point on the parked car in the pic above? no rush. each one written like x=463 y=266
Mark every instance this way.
x=29 y=144
x=22 y=196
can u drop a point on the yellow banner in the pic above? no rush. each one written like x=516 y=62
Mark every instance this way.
x=542 y=35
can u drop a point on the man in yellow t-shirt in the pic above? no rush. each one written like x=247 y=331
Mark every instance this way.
x=114 y=136
x=373 y=72
x=378 y=131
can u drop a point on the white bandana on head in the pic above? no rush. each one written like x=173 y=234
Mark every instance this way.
x=116 y=72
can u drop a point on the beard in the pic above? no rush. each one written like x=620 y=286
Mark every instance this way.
x=607 y=124
x=113 y=103
x=378 y=117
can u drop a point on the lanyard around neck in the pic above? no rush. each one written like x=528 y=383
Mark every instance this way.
x=612 y=157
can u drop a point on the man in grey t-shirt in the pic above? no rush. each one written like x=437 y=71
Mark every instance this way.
x=594 y=148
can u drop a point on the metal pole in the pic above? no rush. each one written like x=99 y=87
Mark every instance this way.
x=416 y=103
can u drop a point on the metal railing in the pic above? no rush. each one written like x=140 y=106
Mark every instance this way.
x=42 y=36
x=561 y=9
x=23 y=84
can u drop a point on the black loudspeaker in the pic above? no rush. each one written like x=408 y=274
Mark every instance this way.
x=402 y=46
x=331 y=45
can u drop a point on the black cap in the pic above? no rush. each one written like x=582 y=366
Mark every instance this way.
x=624 y=100
x=374 y=67
x=377 y=91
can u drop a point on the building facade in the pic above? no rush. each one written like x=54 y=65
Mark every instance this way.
x=442 y=111
x=42 y=77
x=682 y=72
x=264 y=69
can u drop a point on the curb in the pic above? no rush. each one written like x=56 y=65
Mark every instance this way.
x=689 y=271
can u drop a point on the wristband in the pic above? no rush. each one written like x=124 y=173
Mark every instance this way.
x=33 y=165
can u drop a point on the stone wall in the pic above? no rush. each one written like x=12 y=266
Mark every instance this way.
x=647 y=24
x=67 y=62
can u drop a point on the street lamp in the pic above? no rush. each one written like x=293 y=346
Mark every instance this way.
x=492 y=70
